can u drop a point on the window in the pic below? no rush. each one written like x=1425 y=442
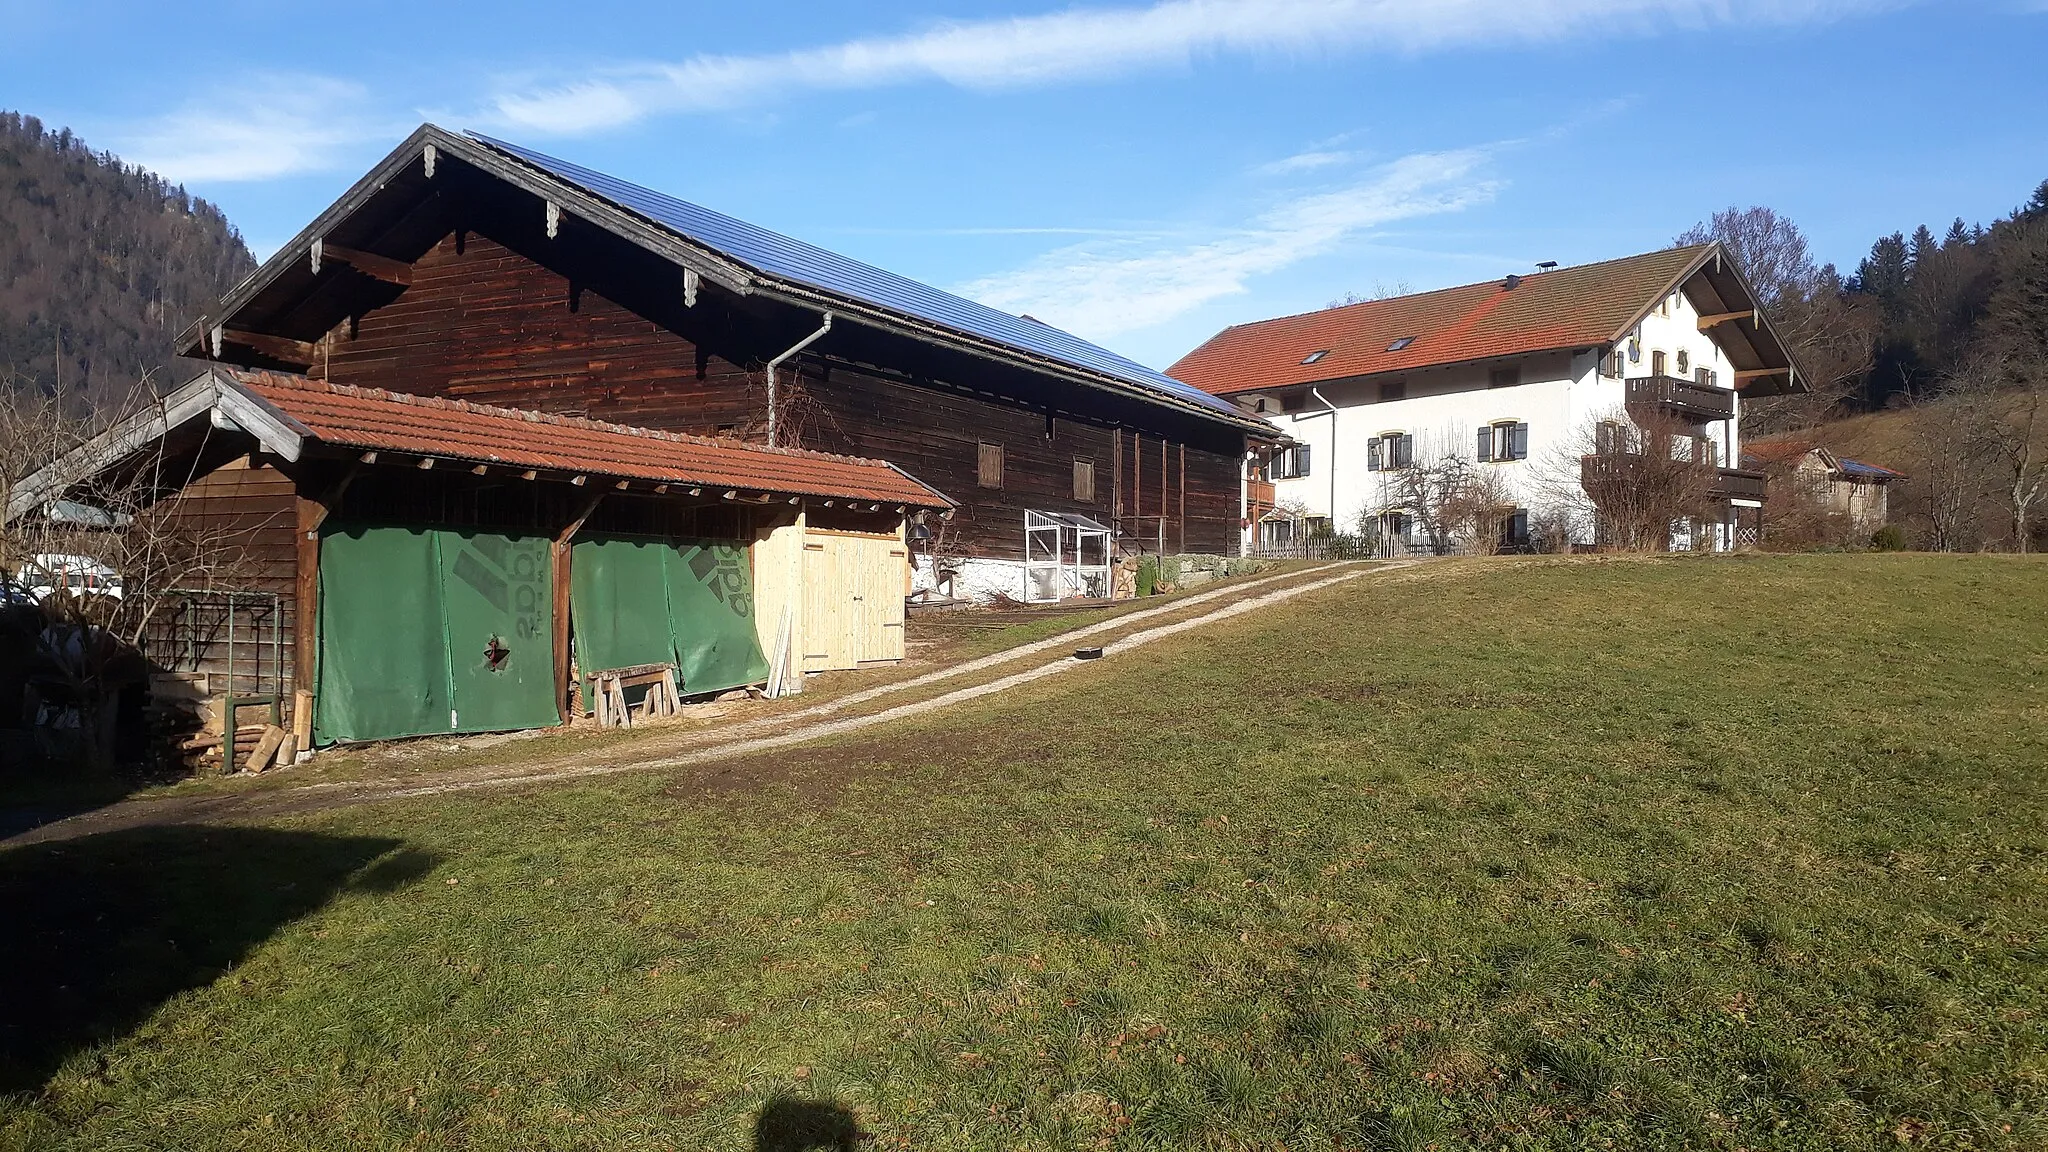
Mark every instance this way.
x=1389 y=451
x=1514 y=531
x=1657 y=363
x=1504 y=377
x=1401 y=344
x=1684 y=361
x=1394 y=390
x=1290 y=463
x=1084 y=481
x=1315 y=356
x=1397 y=526
x=990 y=464
x=1705 y=377
x=1609 y=439
x=1611 y=367
x=1505 y=440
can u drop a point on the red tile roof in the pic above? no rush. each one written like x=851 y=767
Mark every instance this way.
x=1783 y=449
x=1578 y=307
x=367 y=418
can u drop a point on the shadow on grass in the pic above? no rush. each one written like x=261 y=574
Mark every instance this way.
x=101 y=931
x=794 y=1124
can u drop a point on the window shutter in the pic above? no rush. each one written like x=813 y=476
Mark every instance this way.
x=1301 y=460
x=1485 y=449
x=1084 y=481
x=1406 y=454
x=1373 y=461
x=991 y=466
x=1518 y=442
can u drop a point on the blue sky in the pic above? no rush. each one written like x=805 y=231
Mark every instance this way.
x=1141 y=173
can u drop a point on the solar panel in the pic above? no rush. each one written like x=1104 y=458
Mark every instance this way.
x=781 y=257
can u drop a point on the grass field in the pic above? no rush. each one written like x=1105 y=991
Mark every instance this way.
x=1722 y=853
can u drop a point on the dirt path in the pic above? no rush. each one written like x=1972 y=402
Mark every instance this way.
x=726 y=743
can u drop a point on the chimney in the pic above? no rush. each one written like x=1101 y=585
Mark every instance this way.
x=1511 y=283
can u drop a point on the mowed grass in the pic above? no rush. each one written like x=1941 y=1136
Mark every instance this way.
x=1718 y=853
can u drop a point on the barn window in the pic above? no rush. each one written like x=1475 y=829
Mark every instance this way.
x=991 y=466
x=1504 y=377
x=1084 y=481
x=1394 y=390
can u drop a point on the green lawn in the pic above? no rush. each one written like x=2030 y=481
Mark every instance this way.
x=1721 y=853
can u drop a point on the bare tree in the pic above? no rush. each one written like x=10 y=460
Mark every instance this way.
x=1830 y=331
x=1380 y=291
x=1457 y=504
x=125 y=510
x=1629 y=479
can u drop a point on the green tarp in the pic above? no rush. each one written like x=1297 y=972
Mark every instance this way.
x=687 y=602
x=424 y=631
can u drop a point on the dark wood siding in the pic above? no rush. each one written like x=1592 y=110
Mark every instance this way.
x=487 y=325
x=245 y=515
x=484 y=323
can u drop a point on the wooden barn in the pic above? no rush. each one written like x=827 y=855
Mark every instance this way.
x=477 y=270
x=427 y=565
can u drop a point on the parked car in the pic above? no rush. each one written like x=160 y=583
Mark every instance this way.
x=78 y=575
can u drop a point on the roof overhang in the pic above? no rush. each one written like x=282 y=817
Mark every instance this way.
x=410 y=170
x=221 y=400
x=1763 y=362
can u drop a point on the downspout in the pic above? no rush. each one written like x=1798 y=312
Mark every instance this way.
x=799 y=346
x=1317 y=393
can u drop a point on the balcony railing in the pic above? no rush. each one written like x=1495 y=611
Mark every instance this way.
x=1259 y=494
x=1600 y=470
x=1738 y=484
x=1687 y=398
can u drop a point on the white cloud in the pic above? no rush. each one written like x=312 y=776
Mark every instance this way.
x=275 y=126
x=1305 y=162
x=1101 y=291
x=1089 y=43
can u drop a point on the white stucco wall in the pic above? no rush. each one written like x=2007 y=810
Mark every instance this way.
x=1561 y=395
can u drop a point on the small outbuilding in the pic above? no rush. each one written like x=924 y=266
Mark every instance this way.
x=440 y=566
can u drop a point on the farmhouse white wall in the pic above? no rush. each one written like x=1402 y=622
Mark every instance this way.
x=1559 y=398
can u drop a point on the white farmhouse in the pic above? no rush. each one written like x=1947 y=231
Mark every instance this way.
x=1524 y=376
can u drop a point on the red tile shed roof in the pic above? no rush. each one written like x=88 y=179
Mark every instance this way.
x=1578 y=307
x=367 y=418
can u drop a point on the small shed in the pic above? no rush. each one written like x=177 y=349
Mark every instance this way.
x=452 y=567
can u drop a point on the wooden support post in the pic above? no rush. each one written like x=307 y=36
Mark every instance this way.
x=1184 y=499
x=306 y=598
x=1162 y=495
x=559 y=560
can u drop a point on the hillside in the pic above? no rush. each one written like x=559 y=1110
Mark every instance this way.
x=1949 y=448
x=100 y=264
x=1712 y=853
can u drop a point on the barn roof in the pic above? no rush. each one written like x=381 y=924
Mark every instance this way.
x=1587 y=306
x=721 y=250
x=291 y=415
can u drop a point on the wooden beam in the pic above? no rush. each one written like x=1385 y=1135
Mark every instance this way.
x=1719 y=318
x=480 y=469
x=579 y=481
x=559 y=562
x=276 y=347
x=621 y=485
x=529 y=474
x=306 y=594
x=426 y=462
x=369 y=264
x=368 y=457
x=1754 y=373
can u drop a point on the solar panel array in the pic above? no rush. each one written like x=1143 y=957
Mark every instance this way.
x=783 y=258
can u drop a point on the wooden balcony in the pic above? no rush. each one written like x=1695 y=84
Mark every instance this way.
x=1598 y=471
x=1738 y=484
x=1258 y=494
x=1687 y=399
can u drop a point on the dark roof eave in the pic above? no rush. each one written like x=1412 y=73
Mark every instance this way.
x=809 y=296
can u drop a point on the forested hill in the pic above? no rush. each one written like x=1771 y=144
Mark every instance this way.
x=101 y=263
